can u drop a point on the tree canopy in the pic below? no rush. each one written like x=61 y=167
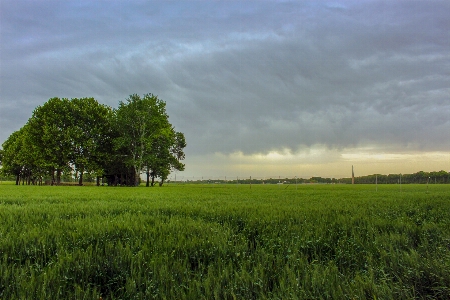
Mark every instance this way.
x=81 y=136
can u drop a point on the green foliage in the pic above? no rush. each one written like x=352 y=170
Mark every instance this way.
x=418 y=177
x=90 y=125
x=49 y=130
x=85 y=137
x=225 y=242
x=70 y=133
x=10 y=163
x=145 y=138
x=139 y=121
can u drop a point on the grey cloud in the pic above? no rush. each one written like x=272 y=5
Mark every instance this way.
x=243 y=76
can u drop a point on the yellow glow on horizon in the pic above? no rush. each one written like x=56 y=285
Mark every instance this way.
x=395 y=156
x=318 y=161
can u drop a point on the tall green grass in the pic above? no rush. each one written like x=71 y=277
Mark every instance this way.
x=225 y=242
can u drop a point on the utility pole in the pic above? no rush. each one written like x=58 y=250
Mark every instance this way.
x=353 y=176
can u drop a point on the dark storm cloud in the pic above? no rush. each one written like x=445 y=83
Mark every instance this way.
x=242 y=76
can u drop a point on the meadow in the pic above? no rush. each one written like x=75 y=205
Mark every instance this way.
x=221 y=241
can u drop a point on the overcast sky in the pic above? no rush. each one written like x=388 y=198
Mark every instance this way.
x=259 y=88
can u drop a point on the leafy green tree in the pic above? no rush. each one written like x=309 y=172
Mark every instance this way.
x=71 y=134
x=177 y=153
x=139 y=121
x=11 y=165
x=166 y=155
x=88 y=129
x=49 y=132
x=30 y=159
x=19 y=157
x=158 y=159
x=84 y=136
x=153 y=159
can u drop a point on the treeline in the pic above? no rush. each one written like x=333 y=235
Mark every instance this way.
x=418 y=177
x=78 y=137
x=267 y=180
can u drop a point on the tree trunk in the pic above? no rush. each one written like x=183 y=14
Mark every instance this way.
x=80 y=181
x=58 y=176
x=98 y=180
x=136 y=178
x=17 y=179
x=148 y=177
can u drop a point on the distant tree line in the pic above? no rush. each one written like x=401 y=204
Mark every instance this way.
x=78 y=137
x=264 y=181
x=418 y=177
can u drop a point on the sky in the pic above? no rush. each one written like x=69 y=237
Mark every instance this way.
x=259 y=88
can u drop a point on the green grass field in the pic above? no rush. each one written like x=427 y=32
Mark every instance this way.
x=225 y=242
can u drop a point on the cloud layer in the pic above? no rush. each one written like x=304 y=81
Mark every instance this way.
x=248 y=77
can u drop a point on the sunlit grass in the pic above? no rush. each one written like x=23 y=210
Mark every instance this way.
x=225 y=241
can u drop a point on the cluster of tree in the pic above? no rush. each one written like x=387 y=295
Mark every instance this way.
x=267 y=180
x=418 y=177
x=82 y=136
